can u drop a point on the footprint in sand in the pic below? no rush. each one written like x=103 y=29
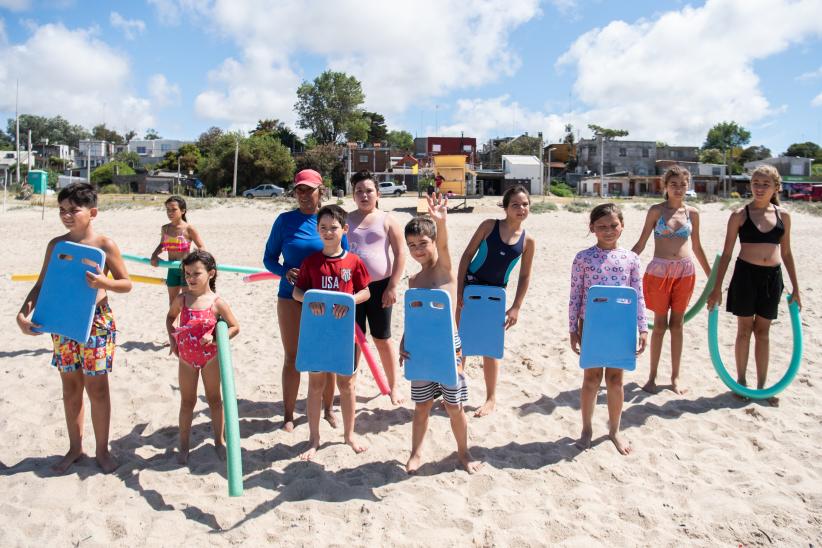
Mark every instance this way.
x=535 y=368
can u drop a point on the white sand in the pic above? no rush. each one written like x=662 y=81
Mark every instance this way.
x=707 y=469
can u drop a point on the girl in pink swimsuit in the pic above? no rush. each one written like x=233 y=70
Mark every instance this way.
x=193 y=343
x=176 y=238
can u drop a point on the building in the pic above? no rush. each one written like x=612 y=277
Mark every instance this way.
x=787 y=166
x=636 y=157
x=678 y=154
x=427 y=147
x=705 y=178
x=522 y=170
x=152 y=150
x=371 y=159
x=92 y=153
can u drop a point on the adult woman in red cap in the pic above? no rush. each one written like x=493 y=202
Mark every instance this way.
x=294 y=237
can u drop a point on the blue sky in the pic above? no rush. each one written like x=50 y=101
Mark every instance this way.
x=664 y=70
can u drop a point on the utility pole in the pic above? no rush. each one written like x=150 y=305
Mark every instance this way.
x=542 y=166
x=17 y=137
x=601 y=166
x=236 y=155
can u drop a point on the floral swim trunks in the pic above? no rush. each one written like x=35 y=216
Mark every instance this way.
x=95 y=356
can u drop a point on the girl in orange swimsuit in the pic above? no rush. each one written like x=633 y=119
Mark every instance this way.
x=670 y=277
x=176 y=238
x=193 y=343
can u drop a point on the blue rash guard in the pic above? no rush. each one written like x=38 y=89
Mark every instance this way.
x=294 y=236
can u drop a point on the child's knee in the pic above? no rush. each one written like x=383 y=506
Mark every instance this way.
x=215 y=401
x=592 y=378
x=97 y=389
x=345 y=382
x=453 y=409
x=660 y=324
x=613 y=377
x=316 y=382
x=423 y=407
x=188 y=401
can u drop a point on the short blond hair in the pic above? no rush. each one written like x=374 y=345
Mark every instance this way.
x=767 y=170
x=673 y=171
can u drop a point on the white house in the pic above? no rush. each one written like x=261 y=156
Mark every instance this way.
x=154 y=149
x=524 y=169
x=787 y=166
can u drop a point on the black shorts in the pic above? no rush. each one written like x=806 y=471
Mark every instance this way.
x=379 y=318
x=755 y=290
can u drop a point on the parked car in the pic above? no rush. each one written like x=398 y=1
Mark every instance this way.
x=266 y=190
x=389 y=187
x=690 y=193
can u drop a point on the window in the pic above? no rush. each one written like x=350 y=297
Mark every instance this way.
x=363 y=158
x=623 y=152
x=165 y=147
x=141 y=150
x=797 y=168
x=436 y=148
x=592 y=150
x=467 y=148
x=645 y=152
x=716 y=171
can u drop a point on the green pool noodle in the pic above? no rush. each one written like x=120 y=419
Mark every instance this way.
x=232 y=423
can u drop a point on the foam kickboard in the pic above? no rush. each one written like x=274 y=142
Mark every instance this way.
x=609 y=330
x=66 y=302
x=326 y=343
x=482 y=321
x=429 y=337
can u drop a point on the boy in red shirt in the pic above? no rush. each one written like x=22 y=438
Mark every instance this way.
x=332 y=269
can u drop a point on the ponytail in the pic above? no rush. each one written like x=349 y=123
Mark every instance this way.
x=208 y=261
x=180 y=203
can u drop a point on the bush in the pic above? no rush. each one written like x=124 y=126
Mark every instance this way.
x=110 y=188
x=562 y=190
x=542 y=207
x=735 y=195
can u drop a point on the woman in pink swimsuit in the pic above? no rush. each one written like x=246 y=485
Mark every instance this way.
x=193 y=342
x=375 y=236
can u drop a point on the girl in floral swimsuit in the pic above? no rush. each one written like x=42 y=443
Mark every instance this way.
x=193 y=342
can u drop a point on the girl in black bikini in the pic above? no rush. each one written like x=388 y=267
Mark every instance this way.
x=764 y=231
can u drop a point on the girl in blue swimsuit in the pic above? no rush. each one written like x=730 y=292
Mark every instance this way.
x=493 y=252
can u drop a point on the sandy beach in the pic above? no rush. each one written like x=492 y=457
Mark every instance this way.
x=707 y=469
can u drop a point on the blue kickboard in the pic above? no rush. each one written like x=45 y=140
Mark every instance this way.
x=429 y=337
x=326 y=343
x=482 y=321
x=65 y=305
x=609 y=330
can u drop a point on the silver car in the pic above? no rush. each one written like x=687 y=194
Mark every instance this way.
x=265 y=190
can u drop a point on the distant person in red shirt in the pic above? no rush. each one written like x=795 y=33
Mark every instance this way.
x=332 y=269
x=438 y=181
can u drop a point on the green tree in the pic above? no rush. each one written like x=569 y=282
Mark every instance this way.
x=726 y=136
x=807 y=149
x=329 y=105
x=102 y=133
x=281 y=132
x=208 y=140
x=260 y=159
x=357 y=131
x=607 y=133
x=57 y=130
x=169 y=161
x=710 y=156
x=130 y=158
x=130 y=134
x=753 y=153
x=151 y=135
x=106 y=172
x=400 y=139
x=377 y=132
x=322 y=158
x=6 y=142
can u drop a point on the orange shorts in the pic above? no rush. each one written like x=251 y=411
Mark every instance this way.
x=668 y=285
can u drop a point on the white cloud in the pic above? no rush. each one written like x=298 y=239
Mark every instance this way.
x=15 y=5
x=73 y=74
x=565 y=7
x=817 y=101
x=810 y=75
x=171 y=12
x=130 y=27
x=402 y=52
x=162 y=91
x=673 y=77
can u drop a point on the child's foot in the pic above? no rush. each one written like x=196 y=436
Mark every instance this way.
x=413 y=464
x=330 y=417
x=354 y=443
x=314 y=446
x=622 y=445
x=773 y=402
x=396 y=399
x=471 y=466
x=106 y=462
x=182 y=456
x=288 y=424
x=68 y=459
x=676 y=389
x=584 y=441
x=650 y=387
x=486 y=409
x=741 y=382
x=220 y=450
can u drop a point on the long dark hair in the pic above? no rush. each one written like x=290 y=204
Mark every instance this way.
x=605 y=209
x=201 y=256
x=180 y=203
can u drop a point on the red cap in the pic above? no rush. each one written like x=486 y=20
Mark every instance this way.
x=308 y=177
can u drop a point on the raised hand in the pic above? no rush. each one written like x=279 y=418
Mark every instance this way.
x=437 y=207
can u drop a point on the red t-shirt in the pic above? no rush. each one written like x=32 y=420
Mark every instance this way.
x=346 y=274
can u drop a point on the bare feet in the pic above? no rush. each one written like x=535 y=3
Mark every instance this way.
x=354 y=443
x=650 y=387
x=413 y=463
x=773 y=402
x=220 y=450
x=288 y=424
x=471 y=466
x=182 y=456
x=312 y=450
x=676 y=389
x=622 y=445
x=584 y=441
x=486 y=409
x=330 y=417
x=396 y=399
x=106 y=462
x=68 y=459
